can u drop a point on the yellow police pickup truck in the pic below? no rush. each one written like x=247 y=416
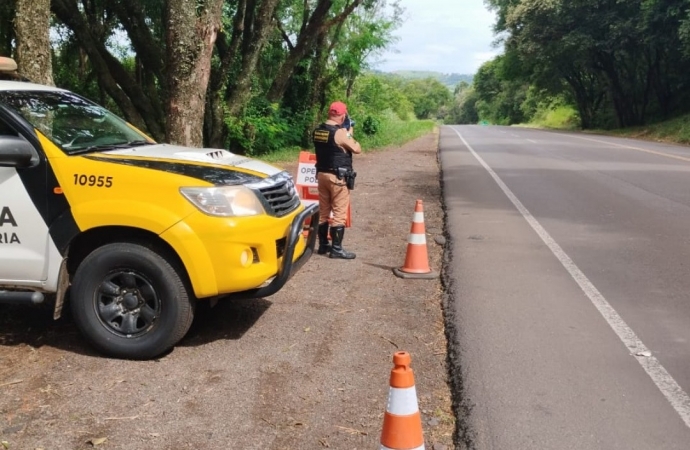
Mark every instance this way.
x=129 y=232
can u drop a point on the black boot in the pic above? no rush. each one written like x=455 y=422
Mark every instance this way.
x=324 y=245
x=337 y=250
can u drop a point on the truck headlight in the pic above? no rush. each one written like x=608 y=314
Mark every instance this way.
x=225 y=201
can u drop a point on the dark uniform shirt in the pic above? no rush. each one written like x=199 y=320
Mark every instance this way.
x=329 y=155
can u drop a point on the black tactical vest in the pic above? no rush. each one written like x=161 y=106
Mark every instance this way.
x=328 y=155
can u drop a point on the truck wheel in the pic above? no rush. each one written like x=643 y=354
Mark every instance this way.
x=129 y=302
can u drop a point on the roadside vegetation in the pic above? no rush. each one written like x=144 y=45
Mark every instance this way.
x=611 y=66
x=392 y=132
x=387 y=110
x=676 y=130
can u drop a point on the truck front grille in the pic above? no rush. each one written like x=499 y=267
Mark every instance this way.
x=278 y=194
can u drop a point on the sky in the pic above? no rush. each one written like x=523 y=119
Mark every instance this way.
x=447 y=36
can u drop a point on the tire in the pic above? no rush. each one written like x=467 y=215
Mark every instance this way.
x=129 y=302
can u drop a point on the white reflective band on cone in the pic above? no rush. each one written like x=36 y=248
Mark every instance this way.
x=417 y=239
x=418 y=217
x=383 y=447
x=402 y=402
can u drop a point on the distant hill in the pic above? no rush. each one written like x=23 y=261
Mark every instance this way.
x=449 y=79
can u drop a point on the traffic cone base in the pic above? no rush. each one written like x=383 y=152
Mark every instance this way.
x=402 y=422
x=416 y=259
x=423 y=276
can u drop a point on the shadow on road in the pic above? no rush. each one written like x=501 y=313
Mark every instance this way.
x=229 y=319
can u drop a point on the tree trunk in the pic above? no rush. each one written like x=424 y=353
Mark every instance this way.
x=316 y=97
x=228 y=52
x=134 y=103
x=254 y=38
x=148 y=49
x=190 y=42
x=307 y=37
x=214 y=121
x=587 y=92
x=629 y=86
x=317 y=24
x=32 y=25
x=662 y=86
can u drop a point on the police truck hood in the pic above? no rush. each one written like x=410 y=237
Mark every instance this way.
x=218 y=157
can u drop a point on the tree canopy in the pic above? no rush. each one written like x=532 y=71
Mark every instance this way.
x=247 y=75
x=619 y=63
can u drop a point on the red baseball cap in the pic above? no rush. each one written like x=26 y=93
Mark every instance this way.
x=337 y=109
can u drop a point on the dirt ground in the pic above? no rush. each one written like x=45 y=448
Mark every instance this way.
x=306 y=368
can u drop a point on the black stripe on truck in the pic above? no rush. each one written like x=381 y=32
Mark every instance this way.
x=215 y=175
x=39 y=182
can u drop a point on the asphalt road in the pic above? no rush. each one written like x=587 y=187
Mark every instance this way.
x=569 y=282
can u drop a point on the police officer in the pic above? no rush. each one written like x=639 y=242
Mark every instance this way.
x=334 y=146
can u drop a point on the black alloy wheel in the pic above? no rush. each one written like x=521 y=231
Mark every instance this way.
x=129 y=302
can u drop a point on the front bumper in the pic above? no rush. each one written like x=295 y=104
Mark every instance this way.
x=288 y=267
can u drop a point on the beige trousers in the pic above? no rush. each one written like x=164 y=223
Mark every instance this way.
x=334 y=196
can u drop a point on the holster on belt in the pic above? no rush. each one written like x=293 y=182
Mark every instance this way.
x=349 y=175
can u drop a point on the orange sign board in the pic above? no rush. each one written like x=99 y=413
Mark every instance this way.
x=306 y=183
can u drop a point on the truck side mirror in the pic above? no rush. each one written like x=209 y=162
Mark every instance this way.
x=15 y=152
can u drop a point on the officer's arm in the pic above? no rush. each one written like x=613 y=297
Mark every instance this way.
x=344 y=139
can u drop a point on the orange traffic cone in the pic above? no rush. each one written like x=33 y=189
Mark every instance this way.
x=402 y=423
x=417 y=260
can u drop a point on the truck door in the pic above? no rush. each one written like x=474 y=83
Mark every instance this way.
x=24 y=235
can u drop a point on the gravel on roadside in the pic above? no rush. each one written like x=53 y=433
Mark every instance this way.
x=306 y=368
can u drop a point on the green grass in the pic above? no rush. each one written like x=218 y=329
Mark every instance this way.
x=675 y=130
x=281 y=156
x=561 y=118
x=395 y=132
x=392 y=132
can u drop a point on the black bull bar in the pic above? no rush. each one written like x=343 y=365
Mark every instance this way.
x=288 y=267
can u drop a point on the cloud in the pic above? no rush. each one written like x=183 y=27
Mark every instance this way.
x=483 y=57
x=455 y=36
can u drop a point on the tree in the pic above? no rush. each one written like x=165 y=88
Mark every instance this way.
x=186 y=71
x=464 y=109
x=365 y=34
x=551 y=48
x=499 y=92
x=669 y=64
x=626 y=57
x=256 y=30
x=191 y=36
x=317 y=24
x=337 y=56
x=427 y=96
x=32 y=26
x=92 y=27
x=684 y=29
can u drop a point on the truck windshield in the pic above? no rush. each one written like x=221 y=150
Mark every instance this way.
x=73 y=123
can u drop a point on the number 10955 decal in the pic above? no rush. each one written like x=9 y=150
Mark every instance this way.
x=93 y=180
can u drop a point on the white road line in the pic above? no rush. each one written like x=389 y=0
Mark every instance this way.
x=675 y=395
x=533 y=142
